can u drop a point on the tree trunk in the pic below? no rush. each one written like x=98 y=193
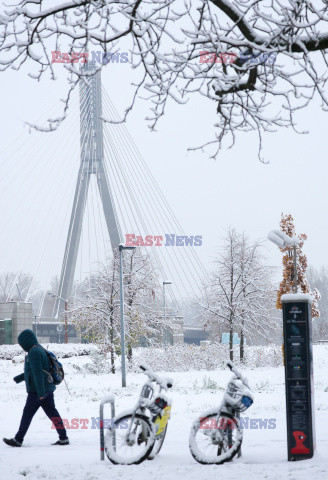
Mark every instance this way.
x=231 y=340
x=231 y=302
x=129 y=354
x=112 y=347
x=241 y=354
x=112 y=359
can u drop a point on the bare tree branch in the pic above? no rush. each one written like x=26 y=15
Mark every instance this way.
x=256 y=60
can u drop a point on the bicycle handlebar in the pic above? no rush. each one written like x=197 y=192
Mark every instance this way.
x=237 y=373
x=162 y=381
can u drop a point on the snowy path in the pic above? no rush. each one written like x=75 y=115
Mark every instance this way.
x=264 y=450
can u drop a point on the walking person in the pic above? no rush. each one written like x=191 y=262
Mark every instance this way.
x=40 y=391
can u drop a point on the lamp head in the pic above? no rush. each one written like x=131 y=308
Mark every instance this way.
x=124 y=247
x=281 y=239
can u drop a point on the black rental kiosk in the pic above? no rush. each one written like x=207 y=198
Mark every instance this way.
x=298 y=375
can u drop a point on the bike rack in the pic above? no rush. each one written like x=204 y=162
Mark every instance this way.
x=107 y=399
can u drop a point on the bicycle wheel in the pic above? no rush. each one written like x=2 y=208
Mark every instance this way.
x=158 y=445
x=215 y=439
x=133 y=440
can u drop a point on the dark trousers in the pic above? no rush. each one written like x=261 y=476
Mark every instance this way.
x=33 y=403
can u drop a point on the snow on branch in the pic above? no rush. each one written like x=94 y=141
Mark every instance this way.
x=259 y=62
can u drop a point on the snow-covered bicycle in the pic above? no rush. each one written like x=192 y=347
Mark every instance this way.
x=139 y=433
x=216 y=436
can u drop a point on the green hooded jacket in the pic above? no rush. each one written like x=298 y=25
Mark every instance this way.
x=36 y=365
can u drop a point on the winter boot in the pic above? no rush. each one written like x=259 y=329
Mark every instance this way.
x=12 y=442
x=62 y=442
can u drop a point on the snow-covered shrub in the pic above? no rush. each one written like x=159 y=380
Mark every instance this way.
x=100 y=363
x=18 y=359
x=61 y=350
x=209 y=384
x=265 y=356
x=181 y=358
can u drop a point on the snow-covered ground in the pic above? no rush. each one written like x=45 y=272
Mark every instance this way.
x=263 y=453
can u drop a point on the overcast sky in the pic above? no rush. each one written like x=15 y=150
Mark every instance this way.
x=206 y=195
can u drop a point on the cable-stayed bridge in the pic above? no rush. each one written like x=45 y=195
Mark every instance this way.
x=115 y=195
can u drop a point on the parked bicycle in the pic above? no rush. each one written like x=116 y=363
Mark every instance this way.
x=139 y=433
x=216 y=436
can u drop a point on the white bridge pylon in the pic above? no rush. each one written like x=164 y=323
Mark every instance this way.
x=92 y=163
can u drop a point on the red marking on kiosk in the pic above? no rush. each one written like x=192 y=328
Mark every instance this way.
x=300 y=438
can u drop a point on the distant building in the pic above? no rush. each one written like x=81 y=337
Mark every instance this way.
x=46 y=330
x=14 y=318
x=17 y=316
x=194 y=335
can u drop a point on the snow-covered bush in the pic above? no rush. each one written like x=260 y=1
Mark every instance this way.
x=265 y=356
x=100 y=363
x=181 y=358
x=61 y=350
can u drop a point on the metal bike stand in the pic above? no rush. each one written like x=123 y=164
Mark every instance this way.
x=108 y=399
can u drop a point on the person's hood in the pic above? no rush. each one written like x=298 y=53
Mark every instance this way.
x=27 y=339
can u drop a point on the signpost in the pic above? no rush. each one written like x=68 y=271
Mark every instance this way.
x=298 y=376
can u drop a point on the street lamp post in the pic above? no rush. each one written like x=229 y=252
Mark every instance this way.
x=54 y=295
x=66 y=333
x=164 y=301
x=36 y=324
x=121 y=248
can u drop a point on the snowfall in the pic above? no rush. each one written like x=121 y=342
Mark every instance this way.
x=264 y=450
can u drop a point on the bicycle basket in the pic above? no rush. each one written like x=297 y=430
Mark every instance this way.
x=242 y=397
x=246 y=401
x=147 y=392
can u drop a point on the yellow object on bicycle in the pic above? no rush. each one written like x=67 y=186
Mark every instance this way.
x=161 y=420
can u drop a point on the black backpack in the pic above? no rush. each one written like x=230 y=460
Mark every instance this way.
x=56 y=372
